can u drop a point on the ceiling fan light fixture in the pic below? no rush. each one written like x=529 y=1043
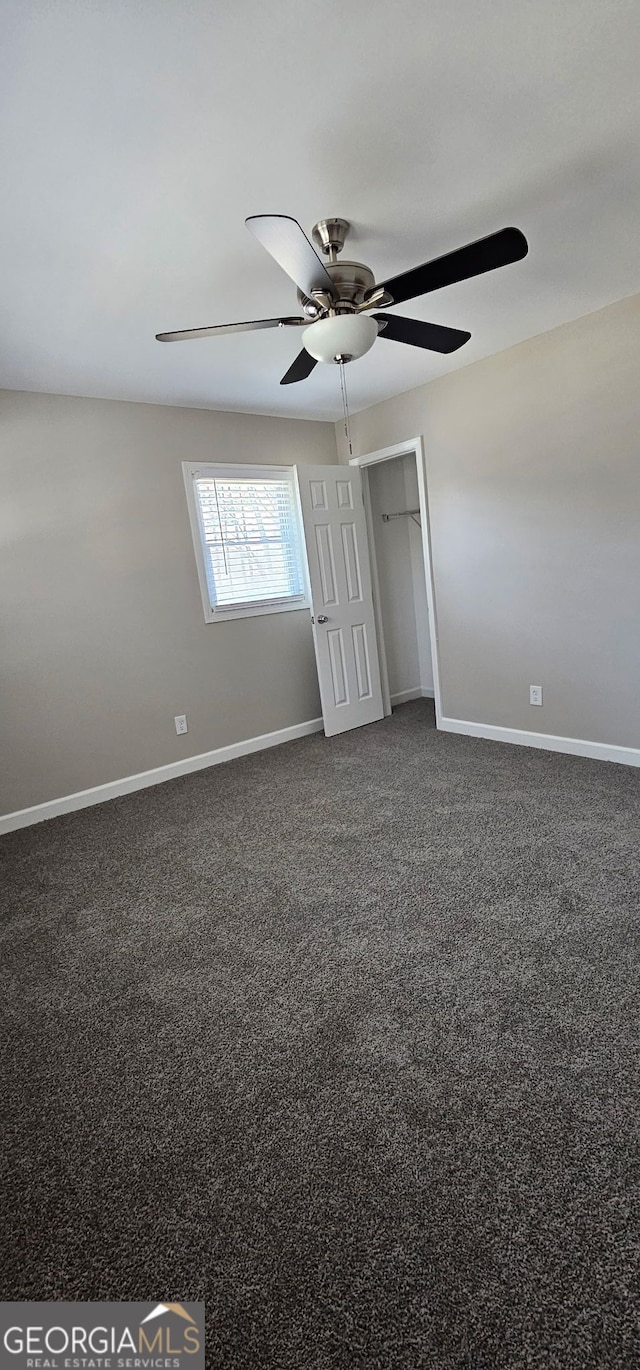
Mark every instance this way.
x=341 y=337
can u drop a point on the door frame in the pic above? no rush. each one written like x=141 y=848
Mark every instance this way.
x=401 y=449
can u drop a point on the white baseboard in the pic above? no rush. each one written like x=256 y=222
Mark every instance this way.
x=417 y=692
x=22 y=818
x=573 y=746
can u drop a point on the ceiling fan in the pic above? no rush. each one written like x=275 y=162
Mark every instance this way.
x=336 y=296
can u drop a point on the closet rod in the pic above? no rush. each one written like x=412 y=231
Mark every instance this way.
x=403 y=514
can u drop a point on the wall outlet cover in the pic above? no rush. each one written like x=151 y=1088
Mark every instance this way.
x=535 y=694
x=180 y=721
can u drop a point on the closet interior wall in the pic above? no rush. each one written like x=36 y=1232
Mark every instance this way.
x=393 y=487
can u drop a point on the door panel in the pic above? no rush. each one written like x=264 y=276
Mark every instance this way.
x=326 y=565
x=338 y=667
x=340 y=581
x=361 y=654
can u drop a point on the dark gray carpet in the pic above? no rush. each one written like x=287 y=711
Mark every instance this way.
x=341 y=1038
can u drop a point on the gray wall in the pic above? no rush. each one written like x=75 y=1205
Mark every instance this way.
x=102 y=633
x=393 y=486
x=533 y=461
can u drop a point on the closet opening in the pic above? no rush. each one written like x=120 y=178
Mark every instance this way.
x=396 y=503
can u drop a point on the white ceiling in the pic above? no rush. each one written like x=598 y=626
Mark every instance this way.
x=137 y=135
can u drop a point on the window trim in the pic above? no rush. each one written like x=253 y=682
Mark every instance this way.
x=191 y=470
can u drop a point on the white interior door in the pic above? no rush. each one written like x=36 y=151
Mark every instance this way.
x=340 y=581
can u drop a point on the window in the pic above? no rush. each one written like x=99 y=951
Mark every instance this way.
x=247 y=539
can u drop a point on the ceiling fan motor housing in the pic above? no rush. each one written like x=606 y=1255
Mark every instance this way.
x=351 y=280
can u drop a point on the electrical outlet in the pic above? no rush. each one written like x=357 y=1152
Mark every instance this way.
x=535 y=694
x=180 y=721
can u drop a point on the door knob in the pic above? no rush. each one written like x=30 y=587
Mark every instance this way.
x=322 y=618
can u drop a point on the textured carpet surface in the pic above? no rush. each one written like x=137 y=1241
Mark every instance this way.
x=343 y=1039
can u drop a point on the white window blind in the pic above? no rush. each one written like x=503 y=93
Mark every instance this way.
x=249 y=539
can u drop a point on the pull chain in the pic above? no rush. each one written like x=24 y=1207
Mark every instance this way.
x=345 y=408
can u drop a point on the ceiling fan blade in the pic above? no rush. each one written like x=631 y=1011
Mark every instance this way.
x=300 y=368
x=430 y=335
x=285 y=240
x=216 y=328
x=498 y=249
